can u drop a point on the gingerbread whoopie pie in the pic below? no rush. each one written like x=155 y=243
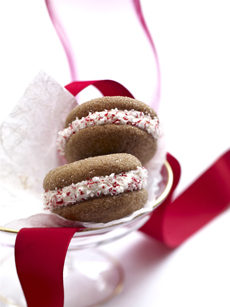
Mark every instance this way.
x=97 y=189
x=107 y=125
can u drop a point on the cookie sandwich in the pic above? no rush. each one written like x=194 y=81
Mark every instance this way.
x=108 y=125
x=97 y=189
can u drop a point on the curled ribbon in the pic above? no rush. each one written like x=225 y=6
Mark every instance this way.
x=40 y=252
x=66 y=43
x=174 y=221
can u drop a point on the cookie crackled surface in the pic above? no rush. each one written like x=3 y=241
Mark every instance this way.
x=109 y=125
x=97 y=189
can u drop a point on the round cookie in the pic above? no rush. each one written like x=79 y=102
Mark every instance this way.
x=98 y=189
x=108 y=125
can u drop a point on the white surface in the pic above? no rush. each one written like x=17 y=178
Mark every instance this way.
x=193 y=45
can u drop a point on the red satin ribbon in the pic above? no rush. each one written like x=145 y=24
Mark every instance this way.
x=174 y=221
x=106 y=87
x=39 y=256
x=40 y=252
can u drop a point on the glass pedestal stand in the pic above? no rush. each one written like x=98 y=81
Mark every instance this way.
x=91 y=277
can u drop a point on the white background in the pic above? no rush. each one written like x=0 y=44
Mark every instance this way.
x=193 y=43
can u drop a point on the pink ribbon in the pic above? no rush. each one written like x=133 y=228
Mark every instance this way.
x=50 y=4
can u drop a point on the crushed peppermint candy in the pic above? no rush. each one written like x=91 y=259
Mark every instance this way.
x=114 y=116
x=96 y=187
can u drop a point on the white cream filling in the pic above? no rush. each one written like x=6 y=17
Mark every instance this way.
x=114 y=116
x=96 y=187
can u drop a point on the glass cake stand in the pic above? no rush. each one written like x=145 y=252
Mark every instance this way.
x=100 y=275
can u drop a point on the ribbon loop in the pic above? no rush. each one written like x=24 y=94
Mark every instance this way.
x=106 y=87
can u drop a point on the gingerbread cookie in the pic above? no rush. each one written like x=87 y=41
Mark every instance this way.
x=97 y=189
x=109 y=125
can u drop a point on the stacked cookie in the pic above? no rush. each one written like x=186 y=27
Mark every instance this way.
x=105 y=141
